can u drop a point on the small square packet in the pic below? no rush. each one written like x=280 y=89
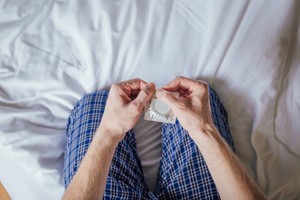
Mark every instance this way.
x=158 y=111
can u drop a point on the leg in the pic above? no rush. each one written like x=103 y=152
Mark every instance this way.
x=183 y=173
x=125 y=178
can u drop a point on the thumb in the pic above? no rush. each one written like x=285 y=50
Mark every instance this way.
x=166 y=97
x=144 y=95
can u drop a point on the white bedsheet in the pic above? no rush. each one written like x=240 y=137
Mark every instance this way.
x=53 y=52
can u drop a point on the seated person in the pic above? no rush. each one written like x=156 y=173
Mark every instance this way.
x=197 y=159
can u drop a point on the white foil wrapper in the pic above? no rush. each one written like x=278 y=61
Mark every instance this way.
x=158 y=111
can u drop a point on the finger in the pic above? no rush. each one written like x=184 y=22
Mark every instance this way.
x=144 y=96
x=166 y=97
x=179 y=83
x=132 y=85
x=117 y=92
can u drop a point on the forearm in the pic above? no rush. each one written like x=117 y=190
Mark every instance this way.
x=230 y=178
x=90 y=179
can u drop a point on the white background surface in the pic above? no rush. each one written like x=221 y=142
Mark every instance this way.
x=53 y=52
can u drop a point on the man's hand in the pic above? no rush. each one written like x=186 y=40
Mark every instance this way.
x=124 y=107
x=192 y=108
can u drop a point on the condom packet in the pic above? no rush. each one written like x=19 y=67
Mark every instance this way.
x=158 y=111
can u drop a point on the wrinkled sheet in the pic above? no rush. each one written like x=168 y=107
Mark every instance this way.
x=53 y=52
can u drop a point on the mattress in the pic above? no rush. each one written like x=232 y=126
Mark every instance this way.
x=52 y=52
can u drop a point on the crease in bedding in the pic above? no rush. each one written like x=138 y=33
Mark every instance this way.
x=54 y=52
x=288 y=88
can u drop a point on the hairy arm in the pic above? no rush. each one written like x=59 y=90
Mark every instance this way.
x=230 y=178
x=192 y=109
x=90 y=179
x=123 y=109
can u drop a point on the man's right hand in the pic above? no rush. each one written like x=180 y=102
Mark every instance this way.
x=124 y=106
x=192 y=108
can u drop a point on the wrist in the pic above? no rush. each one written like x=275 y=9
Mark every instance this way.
x=206 y=135
x=107 y=136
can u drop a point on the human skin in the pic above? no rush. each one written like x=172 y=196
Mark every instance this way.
x=125 y=104
x=193 y=106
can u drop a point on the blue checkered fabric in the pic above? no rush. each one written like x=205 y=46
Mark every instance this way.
x=183 y=173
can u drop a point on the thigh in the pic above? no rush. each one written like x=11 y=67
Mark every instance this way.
x=183 y=173
x=220 y=117
x=125 y=179
x=82 y=124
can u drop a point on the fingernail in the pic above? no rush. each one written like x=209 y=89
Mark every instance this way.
x=152 y=85
x=148 y=88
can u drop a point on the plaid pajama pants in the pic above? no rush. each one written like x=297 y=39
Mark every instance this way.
x=183 y=173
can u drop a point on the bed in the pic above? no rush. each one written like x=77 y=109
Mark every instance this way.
x=52 y=52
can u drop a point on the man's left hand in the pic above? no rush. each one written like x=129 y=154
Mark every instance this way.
x=124 y=106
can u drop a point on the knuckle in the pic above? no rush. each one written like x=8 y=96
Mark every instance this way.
x=136 y=79
x=186 y=78
x=181 y=78
x=114 y=85
x=203 y=86
x=178 y=78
